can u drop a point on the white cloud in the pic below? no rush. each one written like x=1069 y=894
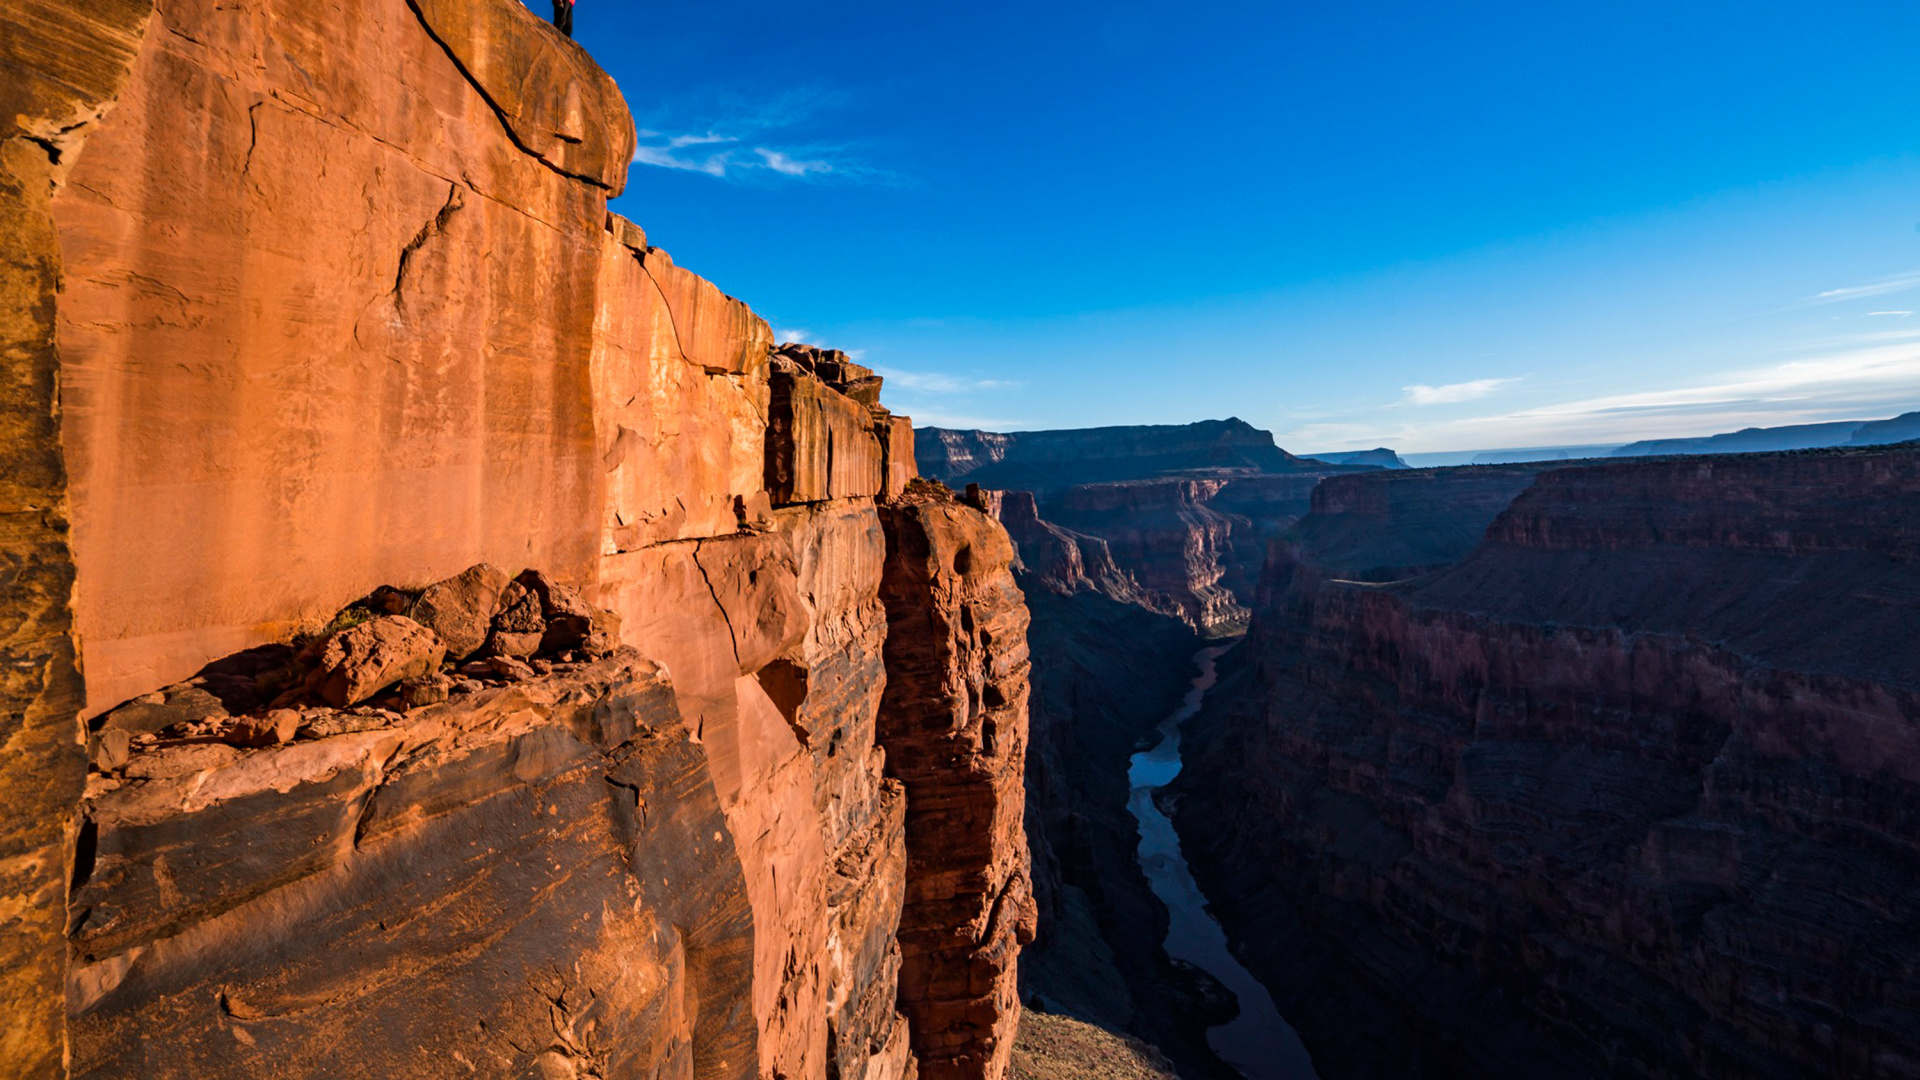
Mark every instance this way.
x=1896 y=314
x=788 y=166
x=796 y=336
x=736 y=141
x=1897 y=283
x=663 y=151
x=936 y=417
x=1838 y=382
x=1453 y=393
x=935 y=383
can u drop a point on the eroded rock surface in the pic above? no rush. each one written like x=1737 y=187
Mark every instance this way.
x=547 y=861
x=953 y=724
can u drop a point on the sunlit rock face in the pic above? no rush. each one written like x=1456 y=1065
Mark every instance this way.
x=338 y=316
x=954 y=722
x=1627 y=790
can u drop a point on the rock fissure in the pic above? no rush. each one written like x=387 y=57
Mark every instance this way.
x=500 y=114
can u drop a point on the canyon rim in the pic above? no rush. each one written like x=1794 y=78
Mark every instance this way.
x=442 y=636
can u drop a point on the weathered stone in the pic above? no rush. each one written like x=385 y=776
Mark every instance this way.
x=953 y=722
x=511 y=668
x=555 y=101
x=820 y=443
x=178 y=705
x=452 y=895
x=108 y=748
x=423 y=690
x=518 y=626
x=715 y=332
x=896 y=453
x=460 y=609
x=359 y=662
x=274 y=728
x=341 y=281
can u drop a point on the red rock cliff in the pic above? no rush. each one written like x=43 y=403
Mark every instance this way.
x=954 y=724
x=333 y=301
x=1629 y=790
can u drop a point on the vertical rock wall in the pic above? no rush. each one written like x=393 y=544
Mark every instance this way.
x=342 y=306
x=61 y=66
x=953 y=722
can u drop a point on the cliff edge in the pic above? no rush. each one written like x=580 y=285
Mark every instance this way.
x=315 y=308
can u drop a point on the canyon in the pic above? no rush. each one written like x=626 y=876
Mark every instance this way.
x=1553 y=769
x=1624 y=786
x=443 y=636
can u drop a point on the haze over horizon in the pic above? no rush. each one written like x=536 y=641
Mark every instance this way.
x=1352 y=225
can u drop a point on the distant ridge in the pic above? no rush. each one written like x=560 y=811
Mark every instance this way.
x=1792 y=437
x=1045 y=460
x=1379 y=457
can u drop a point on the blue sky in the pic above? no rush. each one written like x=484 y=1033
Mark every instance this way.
x=1433 y=226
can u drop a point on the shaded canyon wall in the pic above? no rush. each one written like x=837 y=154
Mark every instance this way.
x=1628 y=789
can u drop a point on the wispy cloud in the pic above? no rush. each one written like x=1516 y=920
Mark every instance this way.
x=936 y=417
x=1883 y=287
x=1453 y=393
x=669 y=152
x=798 y=336
x=766 y=141
x=1896 y=314
x=935 y=383
x=789 y=166
x=1843 y=380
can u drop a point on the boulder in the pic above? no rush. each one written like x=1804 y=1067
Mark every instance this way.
x=363 y=660
x=274 y=728
x=519 y=624
x=461 y=608
x=511 y=669
x=109 y=748
x=430 y=689
x=155 y=713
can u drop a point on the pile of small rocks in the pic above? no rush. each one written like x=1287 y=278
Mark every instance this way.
x=395 y=650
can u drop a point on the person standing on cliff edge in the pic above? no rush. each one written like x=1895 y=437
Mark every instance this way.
x=563 y=16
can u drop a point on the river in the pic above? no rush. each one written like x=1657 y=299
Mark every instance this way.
x=1259 y=1042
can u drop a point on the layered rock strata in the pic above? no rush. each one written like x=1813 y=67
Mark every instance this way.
x=953 y=720
x=547 y=860
x=334 y=302
x=1045 y=460
x=1184 y=512
x=1629 y=790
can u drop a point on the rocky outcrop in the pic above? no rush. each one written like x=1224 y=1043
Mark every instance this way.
x=1626 y=791
x=953 y=722
x=548 y=860
x=336 y=309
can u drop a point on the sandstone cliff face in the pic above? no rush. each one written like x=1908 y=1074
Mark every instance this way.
x=340 y=306
x=1628 y=791
x=953 y=721
x=61 y=75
